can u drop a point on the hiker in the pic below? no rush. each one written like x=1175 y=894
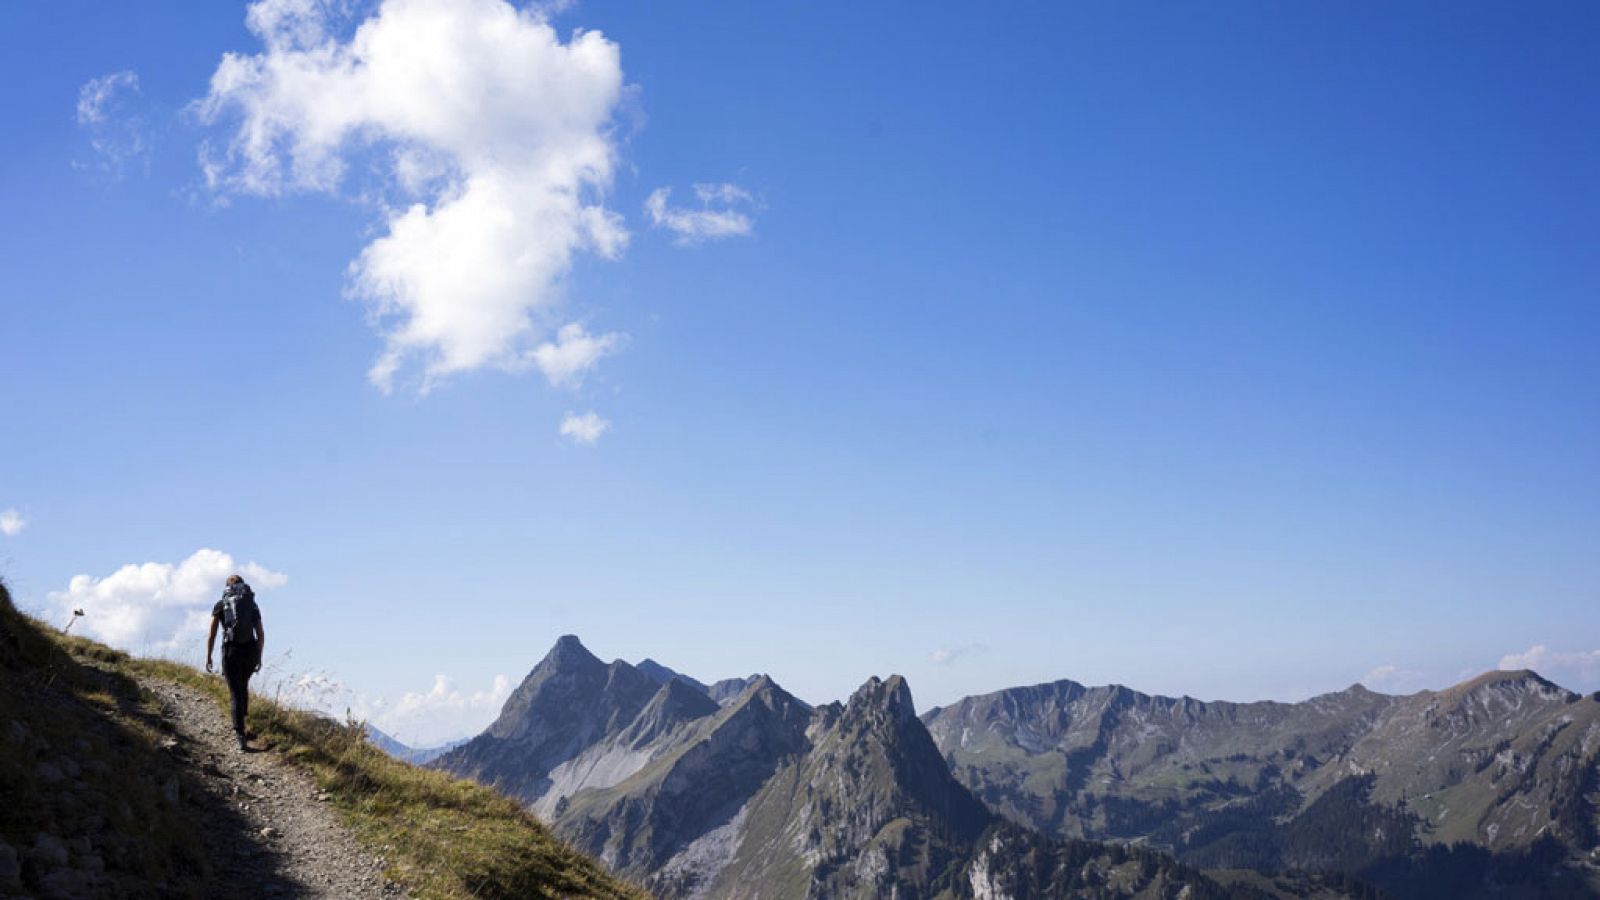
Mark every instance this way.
x=243 y=636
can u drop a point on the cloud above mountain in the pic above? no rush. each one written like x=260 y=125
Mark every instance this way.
x=492 y=141
x=443 y=712
x=1576 y=669
x=157 y=607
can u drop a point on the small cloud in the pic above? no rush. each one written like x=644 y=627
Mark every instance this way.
x=12 y=523
x=1389 y=679
x=584 y=429
x=572 y=354
x=947 y=655
x=117 y=136
x=1579 y=669
x=98 y=93
x=157 y=606
x=722 y=213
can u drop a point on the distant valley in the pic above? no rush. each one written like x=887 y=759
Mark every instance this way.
x=739 y=789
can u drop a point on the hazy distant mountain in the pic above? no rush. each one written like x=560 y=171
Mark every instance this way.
x=414 y=755
x=1355 y=781
x=762 y=796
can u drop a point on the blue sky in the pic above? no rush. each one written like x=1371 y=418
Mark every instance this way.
x=1240 y=351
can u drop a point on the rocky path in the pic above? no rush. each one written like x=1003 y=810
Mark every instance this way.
x=269 y=831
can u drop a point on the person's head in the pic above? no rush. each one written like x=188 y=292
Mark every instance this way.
x=234 y=579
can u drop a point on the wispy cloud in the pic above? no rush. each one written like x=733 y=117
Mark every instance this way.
x=722 y=213
x=160 y=607
x=498 y=134
x=1576 y=669
x=117 y=135
x=1392 y=679
x=12 y=523
x=946 y=655
x=584 y=429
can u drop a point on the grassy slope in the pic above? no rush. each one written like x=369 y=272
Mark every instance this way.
x=441 y=837
x=70 y=735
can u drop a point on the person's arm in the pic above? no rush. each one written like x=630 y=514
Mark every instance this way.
x=261 y=641
x=211 y=641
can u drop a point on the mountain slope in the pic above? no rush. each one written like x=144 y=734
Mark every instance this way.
x=706 y=793
x=1504 y=762
x=118 y=779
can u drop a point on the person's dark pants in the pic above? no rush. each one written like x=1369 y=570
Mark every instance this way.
x=238 y=662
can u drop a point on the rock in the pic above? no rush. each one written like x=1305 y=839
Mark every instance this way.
x=169 y=790
x=69 y=766
x=49 y=848
x=19 y=734
x=48 y=772
x=269 y=832
x=69 y=884
x=10 y=867
x=169 y=744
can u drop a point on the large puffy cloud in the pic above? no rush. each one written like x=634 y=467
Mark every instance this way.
x=1576 y=669
x=156 y=607
x=497 y=131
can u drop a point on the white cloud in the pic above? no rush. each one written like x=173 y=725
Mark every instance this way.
x=946 y=655
x=157 y=607
x=584 y=429
x=1389 y=679
x=1578 y=670
x=97 y=93
x=12 y=523
x=573 y=353
x=721 y=214
x=428 y=718
x=503 y=130
x=117 y=135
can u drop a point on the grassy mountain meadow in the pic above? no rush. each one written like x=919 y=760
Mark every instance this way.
x=95 y=806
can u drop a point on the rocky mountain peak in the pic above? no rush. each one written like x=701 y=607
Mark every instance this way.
x=567 y=652
x=890 y=697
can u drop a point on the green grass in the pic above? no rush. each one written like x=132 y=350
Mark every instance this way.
x=439 y=836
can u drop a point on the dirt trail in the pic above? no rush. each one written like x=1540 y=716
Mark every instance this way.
x=274 y=834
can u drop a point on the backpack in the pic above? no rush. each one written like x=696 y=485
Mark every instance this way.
x=240 y=615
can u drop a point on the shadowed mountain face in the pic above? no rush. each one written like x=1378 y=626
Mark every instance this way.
x=1350 y=781
x=741 y=790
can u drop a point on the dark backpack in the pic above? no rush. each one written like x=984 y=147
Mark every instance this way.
x=240 y=615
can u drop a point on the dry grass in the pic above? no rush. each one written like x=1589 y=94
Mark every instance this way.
x=439 y=836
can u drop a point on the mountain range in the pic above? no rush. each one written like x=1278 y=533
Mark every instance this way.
x=739 y=789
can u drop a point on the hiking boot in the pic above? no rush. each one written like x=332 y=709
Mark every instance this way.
x=244 y=744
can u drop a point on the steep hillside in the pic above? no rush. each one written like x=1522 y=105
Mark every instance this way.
x=1353 y=781
x=112 y=786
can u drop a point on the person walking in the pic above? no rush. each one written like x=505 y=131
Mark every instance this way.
x=243 y=636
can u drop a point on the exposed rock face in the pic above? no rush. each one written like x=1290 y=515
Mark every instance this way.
x=738 y=790
x=568 y=703
x=869 y=811
x=1500 y=762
